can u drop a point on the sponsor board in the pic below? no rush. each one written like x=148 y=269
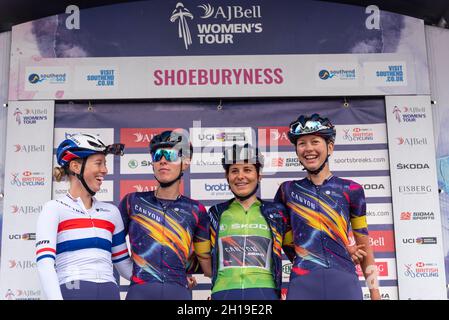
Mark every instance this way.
x=210 y=189
x=21 y=294
x=207 y=162
x=386 y=293
x=92 y=78
x=379 y=213
x=273 y=137
x=337 y=75
x=46 y=78
x=140 y=137
x=269 y=186
x=20 y=209
x=28 y=179
x=374 y=186
x=385 y=267
x=136 y=163
x=385 y=73
x=407 y=114
x=220 y=137
x=380 y=240
x=106 y=192
x=419 y=240
x=128 y=186
x=105 y=134
x=375 y=133
x=417 y=216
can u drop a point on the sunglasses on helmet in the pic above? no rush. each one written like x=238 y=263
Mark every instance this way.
x=309 y=127
x=115 y=149
x=171 y=155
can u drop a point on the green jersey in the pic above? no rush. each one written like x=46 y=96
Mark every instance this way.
x=244 y=249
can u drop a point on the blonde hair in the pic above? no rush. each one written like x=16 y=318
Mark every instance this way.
x=59 y=173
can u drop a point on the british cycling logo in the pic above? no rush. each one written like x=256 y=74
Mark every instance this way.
x=421 y=270
x=28 y=179
x=358 y=134
x=216 y=33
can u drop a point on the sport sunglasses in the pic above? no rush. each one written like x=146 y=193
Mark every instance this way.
x=170 y=155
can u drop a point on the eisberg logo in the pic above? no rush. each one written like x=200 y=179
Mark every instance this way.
x=415 y=189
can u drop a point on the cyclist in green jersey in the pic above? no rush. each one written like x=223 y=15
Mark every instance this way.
x=247 y=234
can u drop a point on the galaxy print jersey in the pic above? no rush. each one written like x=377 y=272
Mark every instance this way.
x=163 y=236
x=320 y=219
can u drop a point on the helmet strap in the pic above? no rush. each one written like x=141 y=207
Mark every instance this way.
x=80 y=177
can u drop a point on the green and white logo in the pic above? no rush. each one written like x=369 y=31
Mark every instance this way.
x=133 y=163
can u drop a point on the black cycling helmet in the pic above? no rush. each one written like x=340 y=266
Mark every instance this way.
x=172 y=139
x=245 y=154
x=315 y=125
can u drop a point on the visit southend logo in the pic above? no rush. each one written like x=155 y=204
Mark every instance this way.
x=27 y=179
x=341 y=74
x=53 y=78
x=217 y=23
x=104 y=78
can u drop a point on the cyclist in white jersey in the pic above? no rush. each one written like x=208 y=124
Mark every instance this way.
x=78 y=238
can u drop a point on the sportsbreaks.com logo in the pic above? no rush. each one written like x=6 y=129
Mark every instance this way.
x=216 y=25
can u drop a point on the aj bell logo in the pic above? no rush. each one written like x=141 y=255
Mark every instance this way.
x=29 y=148
x=216 y=33
x=411 y=141
x=181 y=14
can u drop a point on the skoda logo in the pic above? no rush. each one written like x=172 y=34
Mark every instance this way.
x=133 y=164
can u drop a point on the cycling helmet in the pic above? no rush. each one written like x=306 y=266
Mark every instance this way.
x=172 y=139
x=314 y=124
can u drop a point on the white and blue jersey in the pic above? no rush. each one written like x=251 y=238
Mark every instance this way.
x=79 y=243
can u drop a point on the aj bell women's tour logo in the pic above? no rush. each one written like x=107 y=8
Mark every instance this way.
x=217 y=32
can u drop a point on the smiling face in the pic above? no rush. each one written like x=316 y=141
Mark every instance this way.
x=94 y=171
x=242 y=178
x=312 y=151
x=166 y=171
